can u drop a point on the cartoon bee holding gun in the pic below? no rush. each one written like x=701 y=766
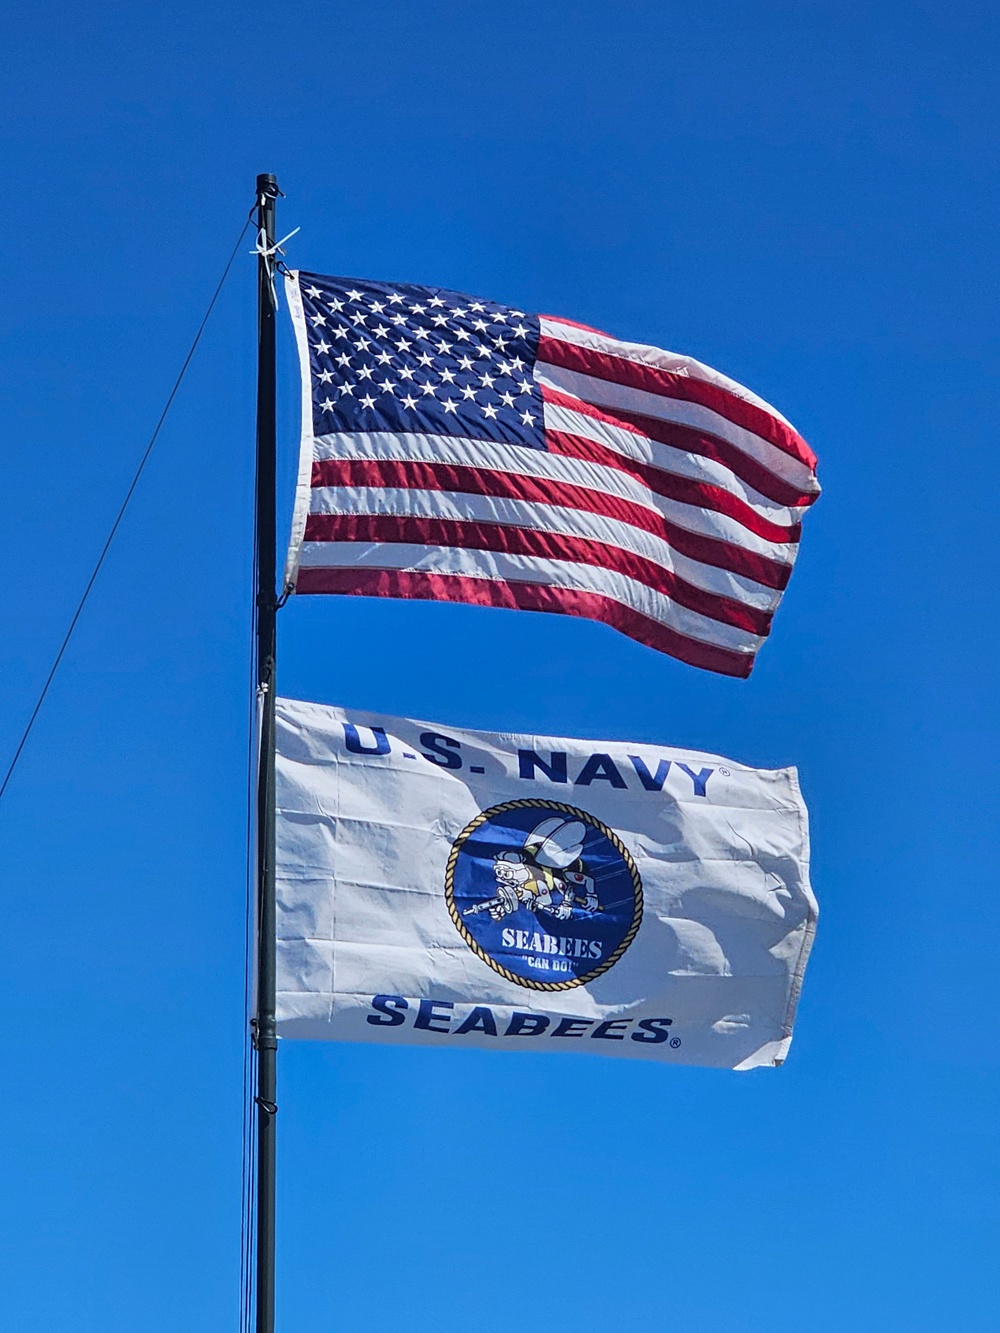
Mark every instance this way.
x=539 y=876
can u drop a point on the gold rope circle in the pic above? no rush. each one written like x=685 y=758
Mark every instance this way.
x=536 y=803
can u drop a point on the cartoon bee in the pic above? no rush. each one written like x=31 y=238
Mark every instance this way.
x=539 y=878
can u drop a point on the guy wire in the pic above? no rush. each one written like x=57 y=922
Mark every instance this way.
x=121 y=514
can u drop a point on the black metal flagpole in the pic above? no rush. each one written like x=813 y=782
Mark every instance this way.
x=265 y=1037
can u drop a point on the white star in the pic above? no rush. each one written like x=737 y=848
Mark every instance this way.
x=387 y=386
x=449 y=405
x=336 y=305
x=327 y=404
x=521 y=330
x=383 y=358
x=486 y=381
x=480 y=324
x=380 y=331
x=395 y=299
x=465 y=363
x=468 y=392
x=500 y=344
x=508 y=399
x=447 y=377
x=444 y=347
x=325 y=376
x=404 y=345
x=526 y=386
x=397 y=319
x=409 y=401
x=457 y=311
x=517 y=363
x=378 y=307
x=484 y=352
x=504 y=367
x=340 y=333
x=365 y=373
x=360 y=317
x=463 y=335
x=362 y=344
x=426 y=388
x=368 y=401
x=322 y=348
x=313 y=291
x=476 y=305
x=518 y=314
x=499 y=317
x=440 y=321
x=489 y=411
x=354 y=296
x=417 y=309
x=406 y=372
x=347 y=390
x=435 y=300
x=424 y=360
x=527 y=418
x=343 y=359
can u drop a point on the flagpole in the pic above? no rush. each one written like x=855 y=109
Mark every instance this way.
x=265 y=1038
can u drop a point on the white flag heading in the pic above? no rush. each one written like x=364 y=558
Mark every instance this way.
x=461 y=888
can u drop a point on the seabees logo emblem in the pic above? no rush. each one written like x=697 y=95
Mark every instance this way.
x=544 y=893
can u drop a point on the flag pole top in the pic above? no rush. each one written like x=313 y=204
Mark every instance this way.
x=267 y=185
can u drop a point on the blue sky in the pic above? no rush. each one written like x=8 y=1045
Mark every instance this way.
x=804 y=197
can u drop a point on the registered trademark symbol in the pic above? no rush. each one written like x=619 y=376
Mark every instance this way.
x=724 y=772
x=675 y=1042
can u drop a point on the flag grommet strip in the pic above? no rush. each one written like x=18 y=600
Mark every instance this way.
x=303 y=484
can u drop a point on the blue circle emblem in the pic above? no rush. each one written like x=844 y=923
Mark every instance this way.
x=544 y=893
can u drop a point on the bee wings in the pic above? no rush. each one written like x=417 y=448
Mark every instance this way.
x=556 y=842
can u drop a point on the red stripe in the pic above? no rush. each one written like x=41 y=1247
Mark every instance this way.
x=351 y=472
x=691 y=441
x=618 y=370
x=525 y=597
x=698 y=494
x=511 y=540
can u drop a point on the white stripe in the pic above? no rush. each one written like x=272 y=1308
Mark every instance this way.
x=516 y=460
x=630 y=443
x=609 y=395
x=644 y=354
x=529 y=569
x=403 y=501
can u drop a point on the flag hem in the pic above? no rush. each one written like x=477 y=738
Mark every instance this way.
x=798 y=976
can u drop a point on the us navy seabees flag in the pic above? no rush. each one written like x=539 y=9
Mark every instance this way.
x=459 y=888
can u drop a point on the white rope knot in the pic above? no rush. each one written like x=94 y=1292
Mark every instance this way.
x=268 y=253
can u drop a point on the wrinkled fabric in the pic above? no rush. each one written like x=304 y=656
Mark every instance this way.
x=458 y=888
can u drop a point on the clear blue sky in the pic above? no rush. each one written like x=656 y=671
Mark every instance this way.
x=806 y=197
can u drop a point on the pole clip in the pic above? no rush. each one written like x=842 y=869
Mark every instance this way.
x=270 y=1107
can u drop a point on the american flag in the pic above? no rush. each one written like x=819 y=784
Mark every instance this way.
x=462 y=450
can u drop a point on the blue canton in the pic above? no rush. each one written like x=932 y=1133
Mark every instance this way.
x=420 y=360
